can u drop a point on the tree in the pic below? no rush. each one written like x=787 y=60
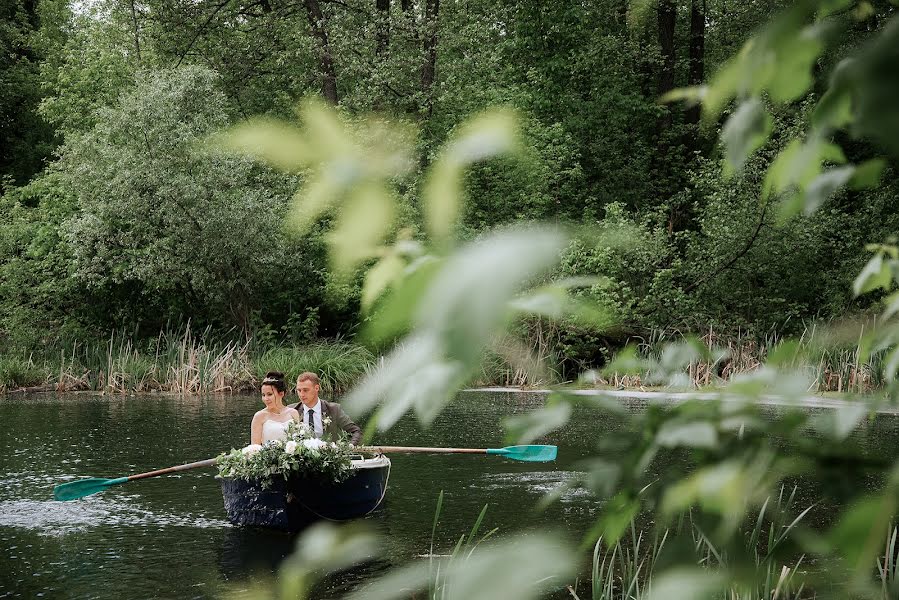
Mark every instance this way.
x=39 y=301
x=26 y=139
x=327 y=73
x=697 y=52
x=87 y=71
x=160 y=215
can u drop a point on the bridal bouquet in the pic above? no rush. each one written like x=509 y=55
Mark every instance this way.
x=299 y=453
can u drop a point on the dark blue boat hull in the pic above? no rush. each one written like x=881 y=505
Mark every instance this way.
x=294 y=503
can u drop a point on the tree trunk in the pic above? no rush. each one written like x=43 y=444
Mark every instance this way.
x=429 y=67
x=410 y=19
x=382 y=31
x=667 y=15
x=326 y=62
x=136 y=31
x=621 y=16
x=665 y=171
x=697 y=53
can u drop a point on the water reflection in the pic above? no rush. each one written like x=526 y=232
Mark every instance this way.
x=246 y=551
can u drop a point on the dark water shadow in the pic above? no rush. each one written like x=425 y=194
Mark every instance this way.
x=339 y=584
x=249 y=551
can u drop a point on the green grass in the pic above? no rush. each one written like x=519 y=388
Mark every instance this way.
x=18 y=372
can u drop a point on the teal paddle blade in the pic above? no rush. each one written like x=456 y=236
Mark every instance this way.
x=84 y=487
x=531 y=453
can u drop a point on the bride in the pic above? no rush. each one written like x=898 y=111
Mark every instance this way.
x=271 y=422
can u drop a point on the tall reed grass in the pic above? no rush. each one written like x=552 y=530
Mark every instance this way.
x=338 y=364
x=185 y=362
x=510 y=362
x=179 y=362
x=526 y=356
x=888 y=566
x=830 y=364
x=624 y=570
x=771 y=579
x=439 y=587
x=534 y=354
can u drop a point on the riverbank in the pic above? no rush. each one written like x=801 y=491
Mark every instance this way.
x=831 y=401
x=832 y=357
x=180 y=365
x=186 y=363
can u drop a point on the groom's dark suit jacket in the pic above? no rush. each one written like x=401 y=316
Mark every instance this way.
x=340 y=421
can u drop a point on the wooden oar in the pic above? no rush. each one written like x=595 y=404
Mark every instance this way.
x=92 y=485
x=524 y=453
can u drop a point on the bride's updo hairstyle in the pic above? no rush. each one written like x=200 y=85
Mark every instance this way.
x=276 y=380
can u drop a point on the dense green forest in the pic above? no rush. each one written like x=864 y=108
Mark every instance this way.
x=120 y=220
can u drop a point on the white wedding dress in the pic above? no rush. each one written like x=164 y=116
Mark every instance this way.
x=274 y=430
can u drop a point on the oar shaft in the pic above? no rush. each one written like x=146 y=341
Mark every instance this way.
x=194 y=465
x=388 y=449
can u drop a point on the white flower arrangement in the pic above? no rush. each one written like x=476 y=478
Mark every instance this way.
x=251 y=449
x=314 y=444
x=300 y=453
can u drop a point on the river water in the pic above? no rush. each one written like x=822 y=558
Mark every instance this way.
x=168 y=537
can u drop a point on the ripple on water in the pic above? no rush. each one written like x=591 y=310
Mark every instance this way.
x=53 y=518
x=19 y=484
x=538 y=482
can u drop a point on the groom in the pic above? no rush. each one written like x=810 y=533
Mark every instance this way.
x=323 y=417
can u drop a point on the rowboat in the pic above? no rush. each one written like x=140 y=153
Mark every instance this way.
x=293 y=503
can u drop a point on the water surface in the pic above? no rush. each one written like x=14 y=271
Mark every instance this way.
x=168 y=537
